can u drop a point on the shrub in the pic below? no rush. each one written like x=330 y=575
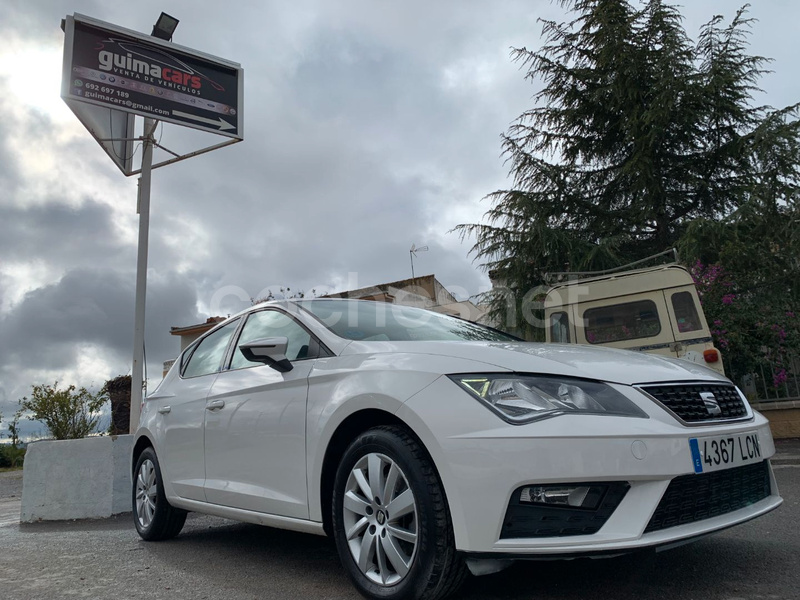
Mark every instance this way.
x=69 y=413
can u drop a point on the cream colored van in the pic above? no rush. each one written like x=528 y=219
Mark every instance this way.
x=652 y=310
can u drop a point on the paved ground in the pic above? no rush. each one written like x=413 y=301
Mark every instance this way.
x=218 y=559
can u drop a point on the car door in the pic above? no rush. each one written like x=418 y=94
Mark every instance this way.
x=182 y=413
x=255 y=424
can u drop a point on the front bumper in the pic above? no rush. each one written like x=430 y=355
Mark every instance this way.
x=481 y=468
x=624 y=532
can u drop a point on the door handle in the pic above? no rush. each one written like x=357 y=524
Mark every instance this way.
x=215 y=405
x=164 y=410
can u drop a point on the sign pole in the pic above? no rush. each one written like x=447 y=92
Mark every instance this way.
x=137 y=377
x=112 y=75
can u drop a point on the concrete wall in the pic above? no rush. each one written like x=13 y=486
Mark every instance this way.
x=76 y=479
x=784 y=417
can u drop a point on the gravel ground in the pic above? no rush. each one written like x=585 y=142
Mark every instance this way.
x=216 y=559
x=11 y=484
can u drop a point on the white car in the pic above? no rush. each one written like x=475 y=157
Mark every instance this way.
x=428 y=446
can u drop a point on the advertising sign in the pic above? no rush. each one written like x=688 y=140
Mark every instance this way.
x=128 y=71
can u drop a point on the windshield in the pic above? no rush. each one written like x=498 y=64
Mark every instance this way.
x=380 y=321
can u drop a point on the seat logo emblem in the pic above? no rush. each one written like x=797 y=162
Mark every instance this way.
x=711 y=404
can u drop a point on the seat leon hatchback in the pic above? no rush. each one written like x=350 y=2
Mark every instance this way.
x=428 y=446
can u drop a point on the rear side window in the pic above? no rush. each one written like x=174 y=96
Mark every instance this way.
x=559 y=328
x=685 y=312
x=207 y=356
x=628 y=321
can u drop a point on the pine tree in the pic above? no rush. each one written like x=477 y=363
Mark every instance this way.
x=636 y=132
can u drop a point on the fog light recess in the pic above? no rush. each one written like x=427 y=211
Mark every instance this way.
x=579 y=496
x=561 y=509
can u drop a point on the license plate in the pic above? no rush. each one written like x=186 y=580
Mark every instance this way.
x=724 y=451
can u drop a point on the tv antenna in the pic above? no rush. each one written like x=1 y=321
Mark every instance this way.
x=412 y=253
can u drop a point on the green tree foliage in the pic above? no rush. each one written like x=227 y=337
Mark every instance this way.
x=10 y=454
x=636 y=133
x=13 y=428
x=69 y=413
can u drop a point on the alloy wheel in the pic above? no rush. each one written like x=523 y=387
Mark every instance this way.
x=146 y=491
x=380 y=519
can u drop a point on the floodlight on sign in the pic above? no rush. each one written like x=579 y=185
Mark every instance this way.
x=165 y=27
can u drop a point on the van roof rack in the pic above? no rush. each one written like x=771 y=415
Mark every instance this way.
x=559 y=276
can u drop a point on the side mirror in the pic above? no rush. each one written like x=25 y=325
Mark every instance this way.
x=270 y=351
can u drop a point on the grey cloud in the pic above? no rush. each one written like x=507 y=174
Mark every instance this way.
x=358 y=78
x=46 y=330
x=49 y=323
x=9 y=164
x=62 y=233
x=39 y=18
x=90 y=306
x=309 y=196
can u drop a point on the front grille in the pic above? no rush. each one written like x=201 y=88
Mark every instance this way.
x=686 y=402
x=692 y=498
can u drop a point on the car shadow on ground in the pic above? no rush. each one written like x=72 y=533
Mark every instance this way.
x=723 y=565
x=257 y=557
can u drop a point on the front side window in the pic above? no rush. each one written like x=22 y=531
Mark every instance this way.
x=685 y=312
x=559 y=328
x=207 y=356
x=267 y=324
x=628 y=321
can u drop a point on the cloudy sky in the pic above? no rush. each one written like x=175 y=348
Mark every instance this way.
x=369 y=125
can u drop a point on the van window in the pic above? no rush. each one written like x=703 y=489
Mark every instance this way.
x=559 y=328
x=628 y=321
x=685 y=312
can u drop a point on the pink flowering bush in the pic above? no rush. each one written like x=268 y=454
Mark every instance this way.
x=755 y=331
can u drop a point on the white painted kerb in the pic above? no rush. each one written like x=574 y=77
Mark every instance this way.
x=76 y=479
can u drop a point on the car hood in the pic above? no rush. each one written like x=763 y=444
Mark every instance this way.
x=605 y=364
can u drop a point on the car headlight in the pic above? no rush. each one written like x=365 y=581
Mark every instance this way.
x=525 y=398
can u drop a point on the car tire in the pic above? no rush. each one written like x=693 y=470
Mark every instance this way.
x=391 y=521
x=154 y=517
